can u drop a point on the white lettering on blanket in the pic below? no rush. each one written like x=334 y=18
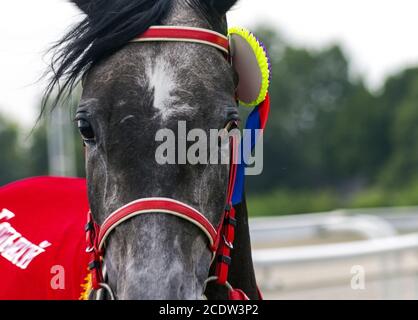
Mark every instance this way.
x=14 y=247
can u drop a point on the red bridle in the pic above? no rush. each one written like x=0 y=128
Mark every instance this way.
x=185 y=34
x=221 y=237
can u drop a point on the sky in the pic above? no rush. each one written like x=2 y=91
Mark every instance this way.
x=378 y=36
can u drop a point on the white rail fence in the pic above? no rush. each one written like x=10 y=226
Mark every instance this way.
x=388 y=250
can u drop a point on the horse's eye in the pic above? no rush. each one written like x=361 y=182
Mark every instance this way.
x=86 y=130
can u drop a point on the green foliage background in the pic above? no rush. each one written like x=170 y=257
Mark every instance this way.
x=330 y=141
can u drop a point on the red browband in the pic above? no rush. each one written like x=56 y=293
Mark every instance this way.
x=221 y=237
x=185 y=34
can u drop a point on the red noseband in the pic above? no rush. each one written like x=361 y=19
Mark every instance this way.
x=157 y=205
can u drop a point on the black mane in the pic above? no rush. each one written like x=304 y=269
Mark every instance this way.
x=107 y=27
x=110 y=25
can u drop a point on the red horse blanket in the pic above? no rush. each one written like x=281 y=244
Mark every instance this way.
x=42 y=240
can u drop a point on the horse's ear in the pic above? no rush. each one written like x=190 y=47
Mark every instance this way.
x=84 y=5
x=222 y=6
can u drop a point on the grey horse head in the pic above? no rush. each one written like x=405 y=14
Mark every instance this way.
x=130 y=92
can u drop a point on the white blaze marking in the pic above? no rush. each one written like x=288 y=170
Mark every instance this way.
x=162 y=81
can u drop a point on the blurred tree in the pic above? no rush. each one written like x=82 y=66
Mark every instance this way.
x=326 y=129
x=357 y=146
x=11 y=154
x=38 y=150
x=39 y=142
x=402 y=167
x=308 y=90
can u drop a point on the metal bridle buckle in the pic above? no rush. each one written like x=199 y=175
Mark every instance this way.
x=90 y=249
x=227 y=243
x=229 y=126
x=108 y=289
x=215 y=278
